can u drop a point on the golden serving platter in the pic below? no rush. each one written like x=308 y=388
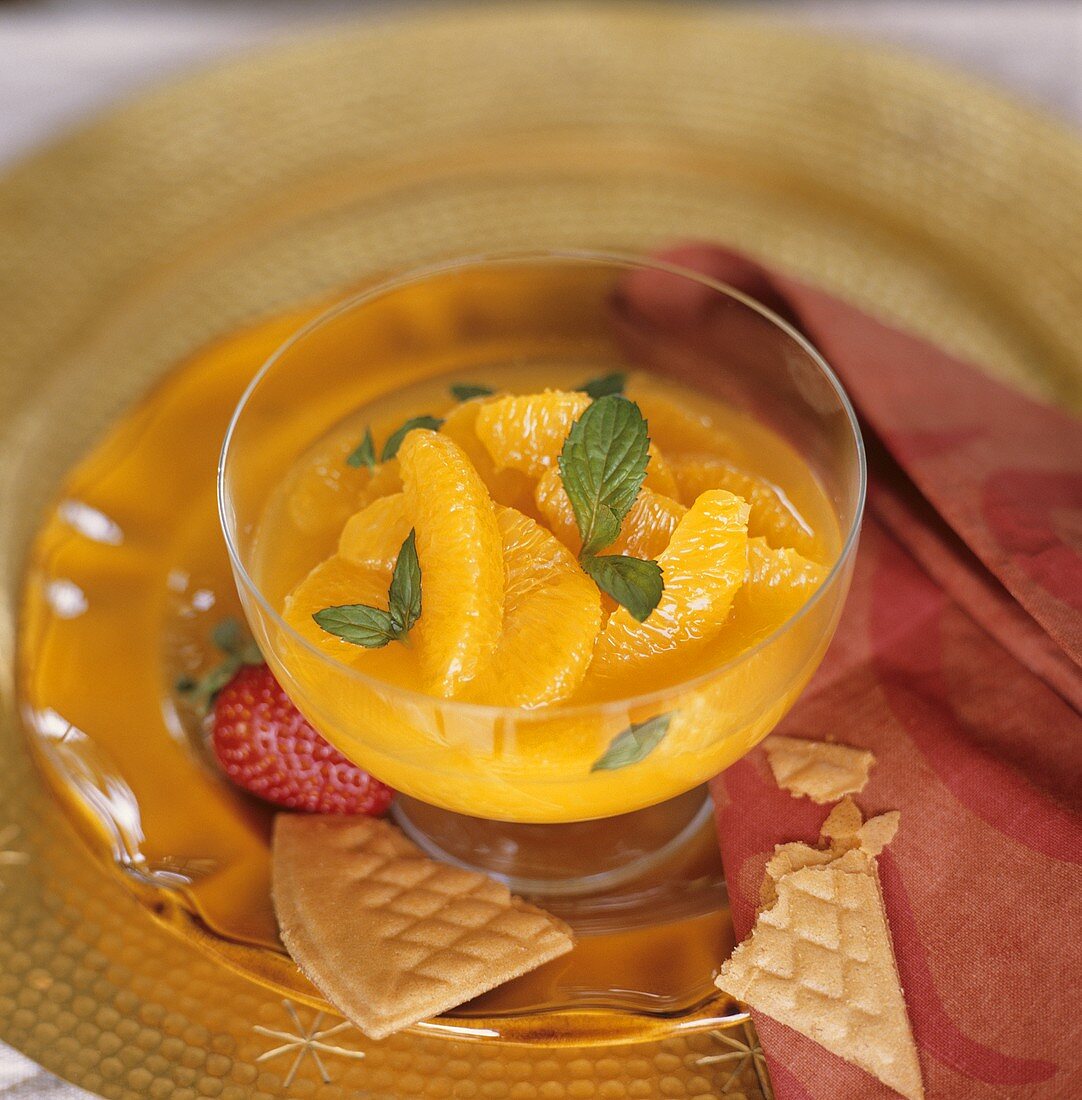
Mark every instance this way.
x=278 y=179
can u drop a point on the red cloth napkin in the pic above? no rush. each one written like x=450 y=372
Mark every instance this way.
x=957 y=663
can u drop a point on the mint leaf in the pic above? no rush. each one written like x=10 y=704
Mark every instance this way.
x=390 y=448
x=404 y=596
x=364 y=454
x=631 y=582
x=634 y=744
x=372 y=627
x=604 y=386
x=358 y=624
x=603 y=464
x=463 y=391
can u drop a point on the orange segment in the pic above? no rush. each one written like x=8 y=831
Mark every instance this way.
x=374 y=535
x=336 y=582
x=676 y=425
x=648 y=527
x=645 y=531
x=461 y=557
x=528 y=433
x=778 y=584
x=506 y=486
x=385 y=479
x=659 y=475
x=326 y=491
x=552 y=613
x=703 y=567
x=555 y=509
x=773 y=516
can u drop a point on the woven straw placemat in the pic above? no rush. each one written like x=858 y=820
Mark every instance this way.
x=930 y=201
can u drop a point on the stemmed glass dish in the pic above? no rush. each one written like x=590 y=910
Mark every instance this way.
x=500 y=786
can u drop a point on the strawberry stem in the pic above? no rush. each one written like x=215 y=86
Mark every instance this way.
x=238 y=649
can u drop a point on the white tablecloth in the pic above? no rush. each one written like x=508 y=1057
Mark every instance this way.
x=60 y=62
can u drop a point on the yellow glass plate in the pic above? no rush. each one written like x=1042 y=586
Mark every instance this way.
x=219 y=200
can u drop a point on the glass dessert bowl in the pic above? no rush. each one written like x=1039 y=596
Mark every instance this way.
x=503 y=729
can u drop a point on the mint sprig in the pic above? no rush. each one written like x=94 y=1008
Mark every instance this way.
x=602 y=466
x=404 y=595
x=632 y=582
x=237 y=649
x=463 y=391
x=634 y=744
x=373 y=627
x=364 y=454
x=604 y=386
x=358 y=624
x=394 y=441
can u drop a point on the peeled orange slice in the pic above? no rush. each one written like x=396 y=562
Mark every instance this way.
x=461 y=557
x=374 y=535
x=326 y=492
x=659 y=475
x=773 y=516
x=506 y=486
x=676 y=425
x=703 y=568
x=528 y=433
x=334 y=583
x=779 y=583
x=552 y=613
x=555 y=509
x=646 y=529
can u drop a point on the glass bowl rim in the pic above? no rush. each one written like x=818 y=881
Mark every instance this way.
x=624 y=704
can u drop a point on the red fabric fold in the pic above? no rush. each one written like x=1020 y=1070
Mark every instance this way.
x=957 y=663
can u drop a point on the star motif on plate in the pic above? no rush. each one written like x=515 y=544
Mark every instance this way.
x=10 y=857
x=740 y=1053
x=306 y=1040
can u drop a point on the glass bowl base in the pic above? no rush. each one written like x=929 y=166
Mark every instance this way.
x=582 y=870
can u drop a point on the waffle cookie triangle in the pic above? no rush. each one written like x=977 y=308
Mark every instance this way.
x=391 y=937
x=819 y=958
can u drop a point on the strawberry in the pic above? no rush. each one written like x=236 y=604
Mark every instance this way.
x=265 y=745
